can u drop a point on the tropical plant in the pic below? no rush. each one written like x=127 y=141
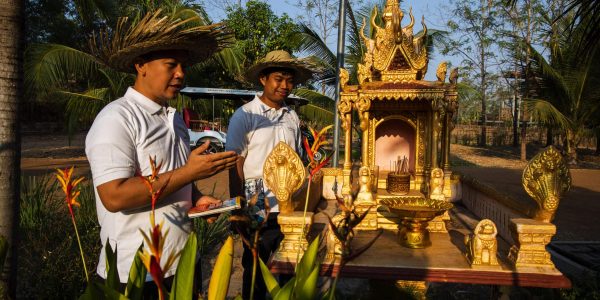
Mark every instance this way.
x=567 y=83
x=304 y=284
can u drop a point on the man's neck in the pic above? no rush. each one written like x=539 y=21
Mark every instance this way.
x=139 y=88
x=271 y=103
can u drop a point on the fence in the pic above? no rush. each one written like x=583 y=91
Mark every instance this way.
x=502 y=135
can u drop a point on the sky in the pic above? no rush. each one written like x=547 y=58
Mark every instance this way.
x=431 y=9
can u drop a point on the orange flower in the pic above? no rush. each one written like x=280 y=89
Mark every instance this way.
x=317 y=160
x=69 y=187
x=149 y=180
x=71 y=194
x=152 y=254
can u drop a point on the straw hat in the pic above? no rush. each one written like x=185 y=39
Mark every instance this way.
x=156 y=32
x=303 y=68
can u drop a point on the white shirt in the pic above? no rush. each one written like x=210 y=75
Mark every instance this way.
x=124 y=135
x=255 y=129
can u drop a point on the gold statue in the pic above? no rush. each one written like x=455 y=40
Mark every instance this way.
x=284 y=174
x=441 y=71
x=546 y=178
x=436 y=184
x=344 y=77
x=365 y=193
x=482 y=246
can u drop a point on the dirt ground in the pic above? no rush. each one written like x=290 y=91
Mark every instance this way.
x=501 y=167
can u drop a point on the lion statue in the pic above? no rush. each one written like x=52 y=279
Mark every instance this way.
x=482 y=246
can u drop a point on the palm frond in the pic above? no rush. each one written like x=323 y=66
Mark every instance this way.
x=544 y=112
x=51 y=66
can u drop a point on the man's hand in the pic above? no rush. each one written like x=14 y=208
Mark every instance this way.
x=202 y=165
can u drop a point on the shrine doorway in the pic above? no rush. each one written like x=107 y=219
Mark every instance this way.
x=394 y=137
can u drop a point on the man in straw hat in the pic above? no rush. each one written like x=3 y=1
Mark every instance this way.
x=254 y=130
x=140 y=125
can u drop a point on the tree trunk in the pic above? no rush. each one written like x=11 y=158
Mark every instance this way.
x=573 y=139
x=11 y=12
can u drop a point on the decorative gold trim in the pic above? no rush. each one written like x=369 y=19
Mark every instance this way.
x=284 y=174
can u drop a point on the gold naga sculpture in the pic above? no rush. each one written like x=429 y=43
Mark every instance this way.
x=482 y=246
x=284 y=174
x=546 y=178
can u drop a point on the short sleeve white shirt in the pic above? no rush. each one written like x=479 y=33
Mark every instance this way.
x=123 y=136
x=255 y=129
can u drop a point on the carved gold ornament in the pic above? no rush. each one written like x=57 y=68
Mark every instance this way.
x=436 y=184
x=482 y=246
x=344 y=77
x=441 y=72
x=546 y=178
x=453 y=78
x=284 y=174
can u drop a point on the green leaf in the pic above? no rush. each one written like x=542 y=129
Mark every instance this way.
x=137 y=277
x=285 y=293
x=270 y=281
x=183 y=283
x=308 y=290
x=112 y=274
x=109 y=292
x=307 y=263
x=219 y=280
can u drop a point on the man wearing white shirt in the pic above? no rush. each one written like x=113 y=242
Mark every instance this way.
x=254 y=130
x=140 y=125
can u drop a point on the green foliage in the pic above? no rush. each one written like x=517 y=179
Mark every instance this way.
x=48 y=250
x=304 y=284
x=183 y=283
x=258 y=30
x=211 y=234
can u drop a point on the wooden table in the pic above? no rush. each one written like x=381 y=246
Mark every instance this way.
x=444 y=261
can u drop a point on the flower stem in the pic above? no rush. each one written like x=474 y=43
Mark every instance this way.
x=255 y=262
x=80 y=248
x=303 y=223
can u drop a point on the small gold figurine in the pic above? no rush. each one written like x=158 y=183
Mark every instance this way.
x=436 y=185
x=482 y=246
x=365 y=194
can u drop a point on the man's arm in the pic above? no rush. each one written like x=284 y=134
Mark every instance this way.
x=236 y=179
x=129 y=193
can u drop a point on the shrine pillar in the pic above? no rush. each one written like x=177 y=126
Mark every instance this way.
x=345 y=111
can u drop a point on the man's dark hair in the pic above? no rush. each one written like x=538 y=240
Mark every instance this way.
x=270 y=70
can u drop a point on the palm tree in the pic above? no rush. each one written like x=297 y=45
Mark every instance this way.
x=11 y=13
x=568 y=84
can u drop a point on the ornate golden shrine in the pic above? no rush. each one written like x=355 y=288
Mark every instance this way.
x=506 y=245
x=392 y=93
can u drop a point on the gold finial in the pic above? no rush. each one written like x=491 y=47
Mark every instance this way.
x=344 y=77
x=441 y=71
x=482 y=246
x=284 y=174
x=546 y=178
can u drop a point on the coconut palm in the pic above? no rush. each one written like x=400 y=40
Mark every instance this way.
x=567 y=84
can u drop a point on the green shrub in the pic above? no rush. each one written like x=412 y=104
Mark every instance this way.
x=49 y=260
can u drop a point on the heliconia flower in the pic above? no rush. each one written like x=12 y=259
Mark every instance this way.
x=149 y=180
x=152 y=255
x=69 y=187
x=316 y=160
